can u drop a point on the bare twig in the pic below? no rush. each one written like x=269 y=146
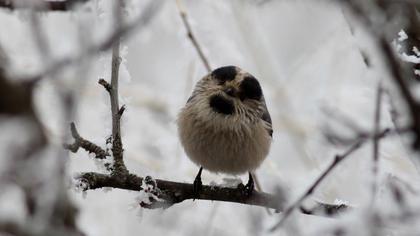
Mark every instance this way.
x=377 y=120
x=117 y=146
x=337 y=160
x=80 y=142
x=113 y=93
x=362 y=134
x=193 y=39
x=364 y=56
x=173 y=192
x=105 y=84
x=40 y=5
x=393 y=112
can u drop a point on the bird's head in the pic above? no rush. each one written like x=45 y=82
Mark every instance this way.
x=230 y=90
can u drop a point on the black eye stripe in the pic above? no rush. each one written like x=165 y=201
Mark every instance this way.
x=226 y=73
x=222 y=105
x=250 y=88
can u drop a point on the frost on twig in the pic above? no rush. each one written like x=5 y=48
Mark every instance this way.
x=149 y=193
x=408 y=53
x=80 y=185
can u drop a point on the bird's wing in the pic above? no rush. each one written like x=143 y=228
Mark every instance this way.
x=267 y=120
x=190 y=98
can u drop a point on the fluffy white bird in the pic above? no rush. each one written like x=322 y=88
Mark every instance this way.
x=225 y=125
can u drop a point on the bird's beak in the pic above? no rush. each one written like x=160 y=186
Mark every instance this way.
x=230 y=91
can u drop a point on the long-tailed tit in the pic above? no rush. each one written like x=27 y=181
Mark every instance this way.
x=225 y=125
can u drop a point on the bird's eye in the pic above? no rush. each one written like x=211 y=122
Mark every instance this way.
x=250 y=88
x=223 y=74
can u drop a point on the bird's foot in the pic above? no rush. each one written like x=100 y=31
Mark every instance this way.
x=197 y=185
x=247 y=189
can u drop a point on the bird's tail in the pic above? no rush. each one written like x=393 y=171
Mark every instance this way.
x=258 y=187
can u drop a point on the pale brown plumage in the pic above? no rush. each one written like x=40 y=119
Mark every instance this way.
x=225 y=125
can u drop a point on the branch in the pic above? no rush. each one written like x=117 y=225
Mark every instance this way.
x=193 y=39
x=117 y=146
x=41 y=5
x=80 y=142
x=337 y=160
x=171 y=193
x=105 y=84
x=377 y=120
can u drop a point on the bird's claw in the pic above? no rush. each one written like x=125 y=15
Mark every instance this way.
x=197 y=185
x=247 y=189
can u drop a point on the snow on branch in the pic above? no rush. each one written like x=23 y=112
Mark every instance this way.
x=168 y=193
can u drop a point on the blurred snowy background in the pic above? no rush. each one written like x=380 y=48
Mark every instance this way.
x=310 y=67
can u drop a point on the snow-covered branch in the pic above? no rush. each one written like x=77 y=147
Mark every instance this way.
x=170 y=193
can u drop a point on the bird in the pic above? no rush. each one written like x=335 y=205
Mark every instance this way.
x=225 y=126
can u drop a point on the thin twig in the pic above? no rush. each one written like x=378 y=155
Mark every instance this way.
x=105 y=84
x=40 y=5
x=174 y=192
x=113 y=94
x=362 y=54
x=337 y=160
x=193 y=39
x=259 y=188
x=80 y=142
x=394 y=113
x=377 y=120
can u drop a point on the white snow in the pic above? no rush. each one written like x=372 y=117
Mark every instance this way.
x=402 y=36
x=410 y=58
x=148 y=193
